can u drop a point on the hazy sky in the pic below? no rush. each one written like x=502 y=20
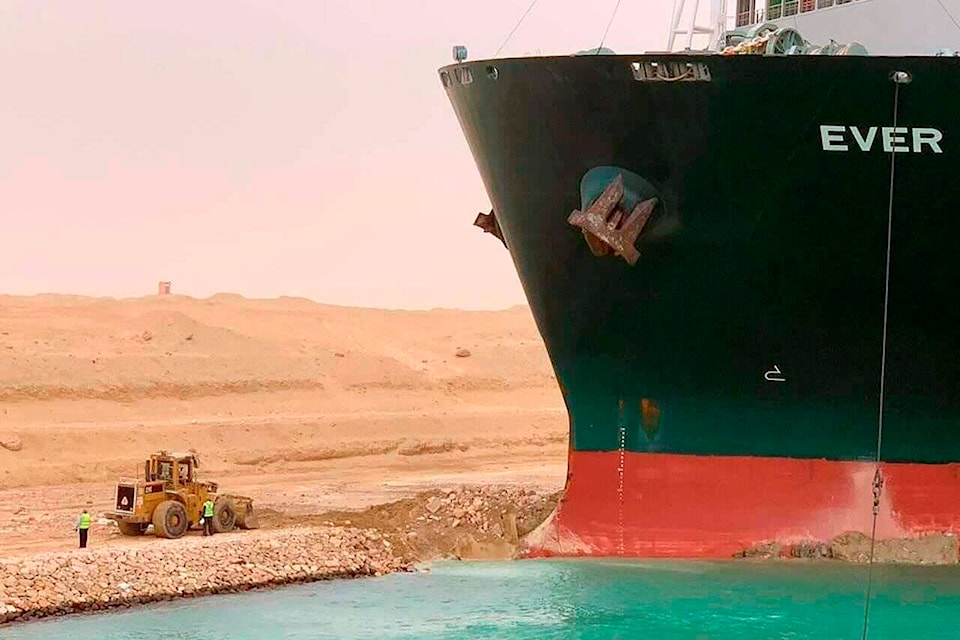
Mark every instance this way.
x=261 y=147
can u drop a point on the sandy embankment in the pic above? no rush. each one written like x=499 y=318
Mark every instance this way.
x=307 y=408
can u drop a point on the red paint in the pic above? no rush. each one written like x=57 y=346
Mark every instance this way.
x=712 y=507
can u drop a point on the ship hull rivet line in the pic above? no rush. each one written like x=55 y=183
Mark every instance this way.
x=620 y=469
x=620 y=466
x=899 y=78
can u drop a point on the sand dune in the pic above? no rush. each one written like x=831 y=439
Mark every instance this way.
x=173 y=346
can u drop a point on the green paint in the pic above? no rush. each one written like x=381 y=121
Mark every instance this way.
x=768 y=251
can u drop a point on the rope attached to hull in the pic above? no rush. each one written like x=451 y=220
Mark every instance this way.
x=899 y=78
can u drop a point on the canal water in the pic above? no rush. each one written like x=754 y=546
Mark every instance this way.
x=561 y=599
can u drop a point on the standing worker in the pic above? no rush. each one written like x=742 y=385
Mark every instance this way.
x=208 y=517
x=83 y=526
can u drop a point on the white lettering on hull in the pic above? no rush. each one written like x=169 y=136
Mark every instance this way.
x=893 y=139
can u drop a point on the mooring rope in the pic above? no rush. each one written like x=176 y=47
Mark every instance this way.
x=609 y=22
x=515 y=27
x=898 y=77
x=949 y=15
x=530 y=8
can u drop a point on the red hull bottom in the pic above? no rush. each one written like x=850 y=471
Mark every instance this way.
x=683 y=506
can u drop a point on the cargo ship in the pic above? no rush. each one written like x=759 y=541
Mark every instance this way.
x=742 y=259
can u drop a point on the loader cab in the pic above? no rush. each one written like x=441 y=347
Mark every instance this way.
x=178 y=470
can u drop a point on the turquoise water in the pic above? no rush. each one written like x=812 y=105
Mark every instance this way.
x=582 y=599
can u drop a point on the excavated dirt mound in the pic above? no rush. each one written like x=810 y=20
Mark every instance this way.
x=462 y=523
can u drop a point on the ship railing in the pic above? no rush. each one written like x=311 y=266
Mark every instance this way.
x=793 y=7
x=756 y=16
x=777 y=9
x=826 y=4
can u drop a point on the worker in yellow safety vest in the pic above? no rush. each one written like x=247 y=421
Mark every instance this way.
x=83 y=526
x=208 y=517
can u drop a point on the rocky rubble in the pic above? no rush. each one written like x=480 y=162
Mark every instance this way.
x=505 y=512
x=95 y=579
x=854 y=547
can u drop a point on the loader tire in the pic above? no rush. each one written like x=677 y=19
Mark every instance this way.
x=224 y=515
x=170 y=520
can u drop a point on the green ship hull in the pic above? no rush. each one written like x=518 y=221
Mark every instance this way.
x=751 y=327
x=766 y=251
